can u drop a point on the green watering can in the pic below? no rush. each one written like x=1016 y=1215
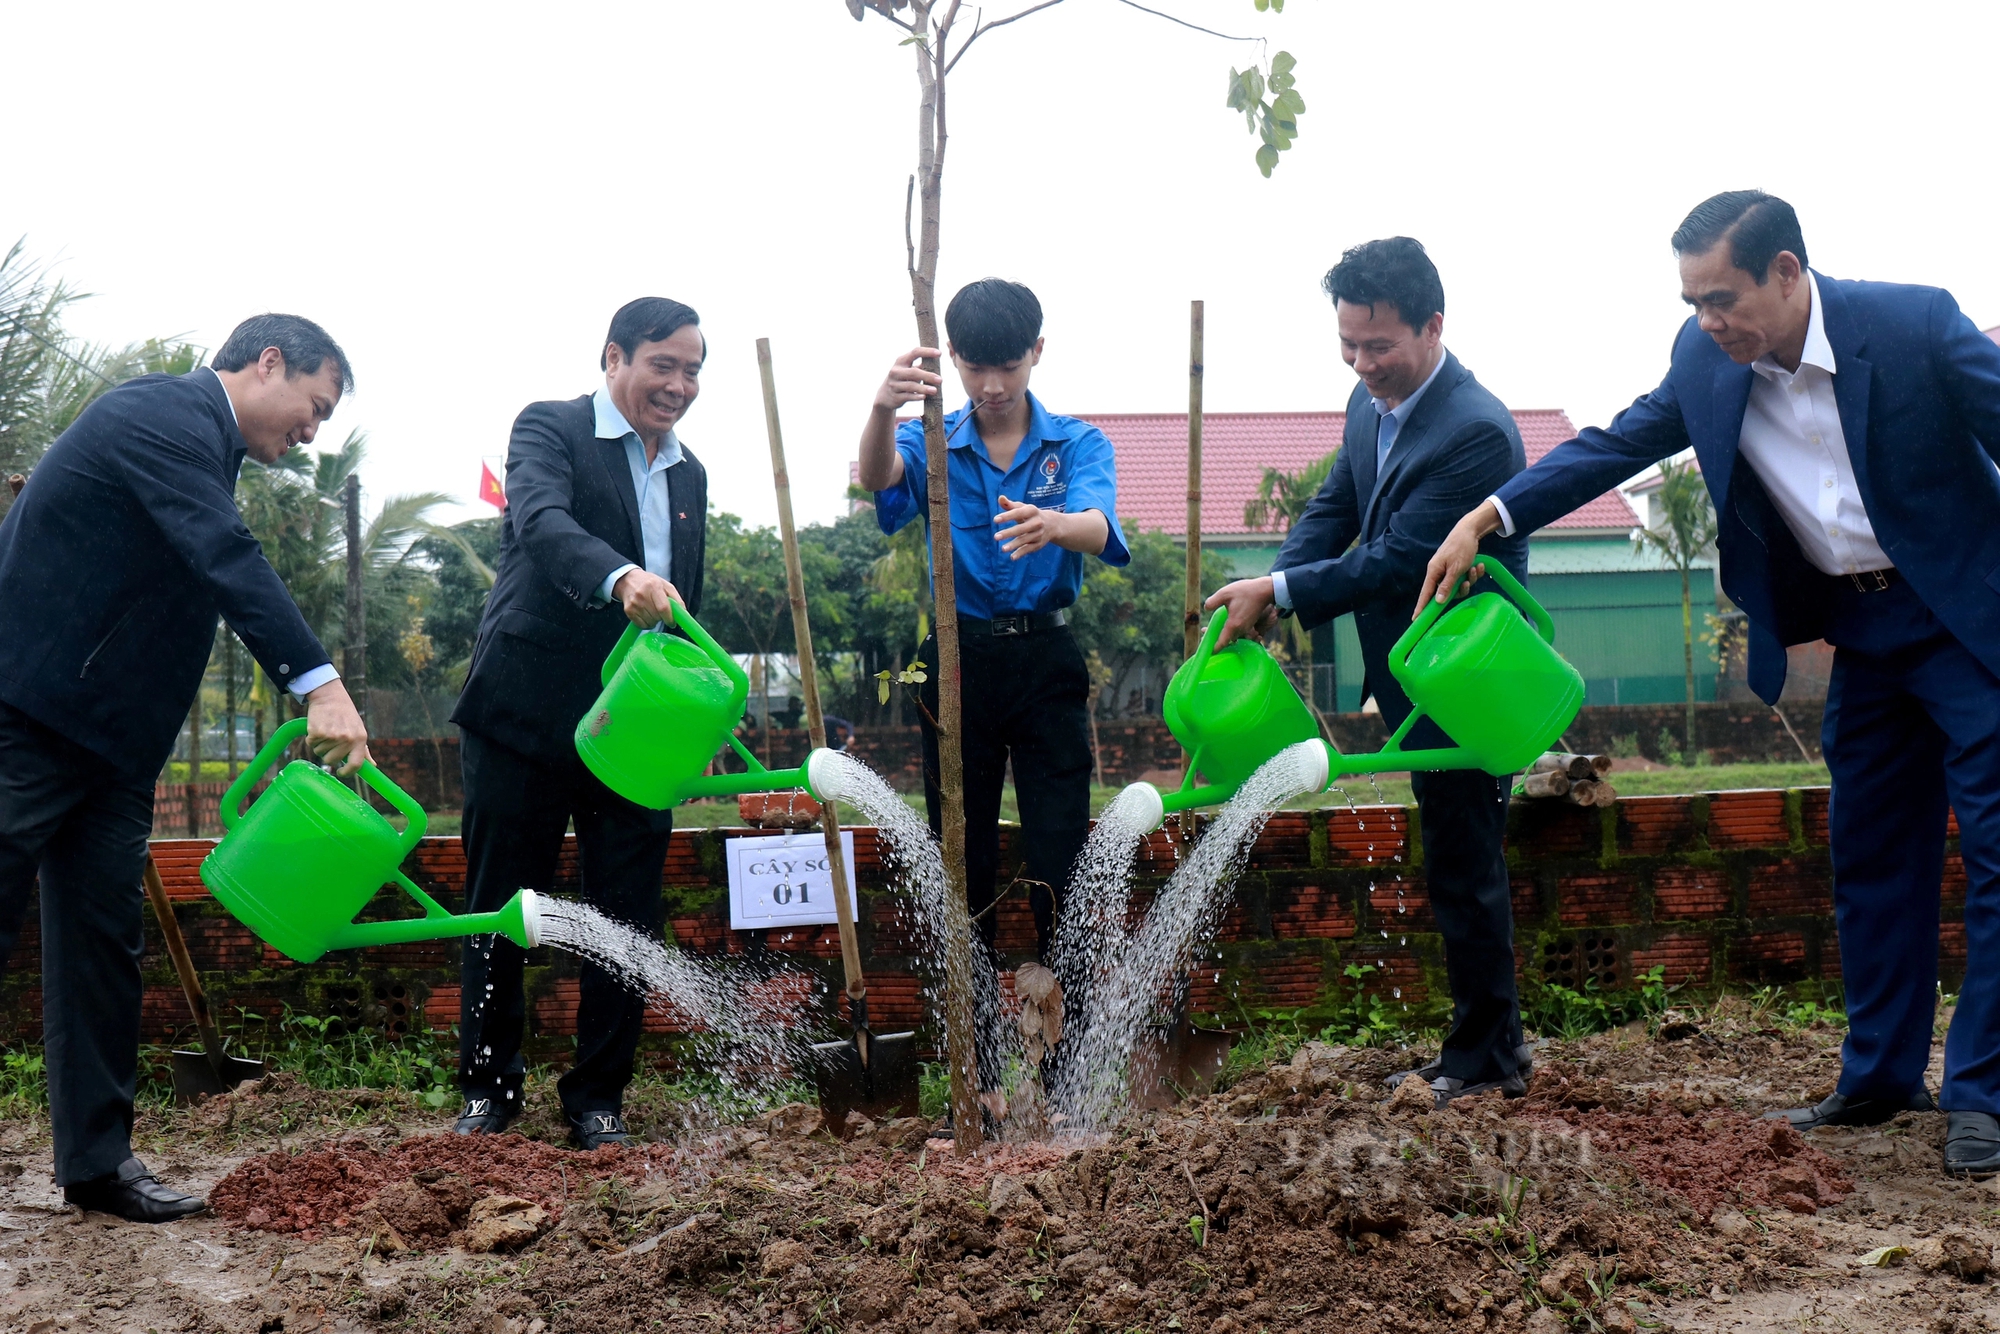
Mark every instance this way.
x=309 y=854
x=1494 y=683
x=668 y=705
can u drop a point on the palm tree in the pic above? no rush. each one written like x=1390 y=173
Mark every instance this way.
x=1282 y=497
x=1683 y=533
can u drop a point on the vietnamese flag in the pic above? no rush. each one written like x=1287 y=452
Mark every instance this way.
x=490 y=489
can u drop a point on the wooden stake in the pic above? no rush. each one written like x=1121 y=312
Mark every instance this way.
x=795 y=585
x=1545 y=784
x=1191 y=623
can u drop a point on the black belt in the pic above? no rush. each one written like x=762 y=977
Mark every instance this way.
x=1868 y=581
x=1024 y=623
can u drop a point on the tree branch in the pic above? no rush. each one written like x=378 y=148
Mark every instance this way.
x=981 y=28
x=909 y=240
x=1184 y=23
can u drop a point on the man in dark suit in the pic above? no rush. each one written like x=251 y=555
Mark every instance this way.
x=1424 y=439
x=1848 y=433
x=114 y=564
x=605 y=523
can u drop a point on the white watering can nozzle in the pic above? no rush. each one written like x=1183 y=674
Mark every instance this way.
x=531 y=917
x=1142 y=804
x=1315 y=764
x=823 y=775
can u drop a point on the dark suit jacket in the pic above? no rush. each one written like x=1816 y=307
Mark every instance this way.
x=572 y=518
x=1919 y=394
x=116 y=560
x=1362 y=544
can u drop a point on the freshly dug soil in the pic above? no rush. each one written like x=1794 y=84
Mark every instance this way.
x=320 y=1190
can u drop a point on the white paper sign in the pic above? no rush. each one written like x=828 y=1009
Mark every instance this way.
x=783 y=880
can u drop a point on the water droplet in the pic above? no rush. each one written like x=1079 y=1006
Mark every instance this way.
x=1397 y=992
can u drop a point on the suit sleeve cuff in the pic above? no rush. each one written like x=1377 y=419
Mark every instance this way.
x=1279 y=593
x=306 y=682
x=1506 y=519
x=603 y=593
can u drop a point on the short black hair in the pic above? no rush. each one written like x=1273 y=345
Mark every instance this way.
x=993 y=321
x=647 y=320
x=1394 y=270
x=304 y=345
x=1756 y=225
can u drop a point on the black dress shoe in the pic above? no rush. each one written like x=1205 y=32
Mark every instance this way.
x=481 y=1116
x=1444 y=1090
x=1840 y=1110
x=594 y=1130
x=1972 y=1144
x=1431 y=1071
x=134 y=1194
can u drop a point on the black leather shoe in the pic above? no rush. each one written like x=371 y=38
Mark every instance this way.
x=1431 y=1071
x=1840 y=1110
x=481 y=1116
x=1445 y=1090
x=134 y=1194
x=594 y=1130
x=1972 y=1144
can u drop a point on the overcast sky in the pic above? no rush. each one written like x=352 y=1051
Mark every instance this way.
x=463 y=194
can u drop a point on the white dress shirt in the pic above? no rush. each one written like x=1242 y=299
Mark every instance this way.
x=1386 y=430
x=1791 y=436
x=305 y=682
x=649 y=483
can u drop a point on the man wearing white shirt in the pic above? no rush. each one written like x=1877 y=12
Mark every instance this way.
x=1848 y=434
x=605 y=524
x=1424 y=439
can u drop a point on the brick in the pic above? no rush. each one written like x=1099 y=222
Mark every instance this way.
x=1306 y=912
x=1748 y=820
x=1527 y=900
x=1952 y=890
x=1368 y=836
x=440 y=1009
x=1285 y=843
x=1399 y=973
x=1791 y=889
x=1401 y=905
x=1539 y=830
x=1598 y=900
x=1951 y=949
x=1653 y=826
x=1690 y=893
x=1686 y=960
x=1772 y=956
x=1814 y=803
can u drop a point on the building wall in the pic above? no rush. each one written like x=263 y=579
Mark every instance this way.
x=1733 y=887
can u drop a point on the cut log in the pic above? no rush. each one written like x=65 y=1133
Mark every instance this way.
x=1550 y=763
x=1606 y=794
x=1583 y=791
x=1545 y=785
x=1602 y=764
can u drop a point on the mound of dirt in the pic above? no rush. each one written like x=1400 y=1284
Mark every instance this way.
x=421 y=1185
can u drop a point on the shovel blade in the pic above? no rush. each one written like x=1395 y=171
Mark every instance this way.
x=1177 y=1061
x=886 y=1089
x=194 y=1076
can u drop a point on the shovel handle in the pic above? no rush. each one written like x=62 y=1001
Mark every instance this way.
x=170 y=932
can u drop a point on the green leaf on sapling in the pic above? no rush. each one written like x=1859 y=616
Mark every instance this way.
x=1284 y=62
x=1267 y=158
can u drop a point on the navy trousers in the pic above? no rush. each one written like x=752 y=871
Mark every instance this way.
x=1463 y=824
x=516 y=811
x=1912 y=728
x=79 y=825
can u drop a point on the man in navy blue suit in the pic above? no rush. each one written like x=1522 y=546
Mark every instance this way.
x=1848 y=433
x=114 y=564
x=1424 y=439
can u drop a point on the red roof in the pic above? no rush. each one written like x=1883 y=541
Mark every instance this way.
x=1994 y=333
x=1236 y=447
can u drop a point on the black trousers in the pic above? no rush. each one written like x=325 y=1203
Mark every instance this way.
x=516 y=811
x=1463 y=819
x=78 y=824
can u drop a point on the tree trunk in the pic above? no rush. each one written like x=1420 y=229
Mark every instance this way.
x=354 y=655
x=1687 y=642
x=194 y=764
x=958 y=1017
x=229 y=694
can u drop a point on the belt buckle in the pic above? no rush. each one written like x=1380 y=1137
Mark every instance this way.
x=1869 y=581
x=1009 y=625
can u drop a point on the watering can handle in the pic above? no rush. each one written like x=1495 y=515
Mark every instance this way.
x=693 y=630
x=274 y=749
x=1544 y=624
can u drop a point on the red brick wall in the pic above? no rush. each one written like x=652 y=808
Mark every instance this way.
x=1730 y=887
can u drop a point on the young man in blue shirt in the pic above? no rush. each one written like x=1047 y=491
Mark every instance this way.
x=1032 y=494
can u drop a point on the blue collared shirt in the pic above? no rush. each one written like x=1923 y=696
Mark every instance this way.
x=649 y=483
x=1386 y=431
x=1063 y=464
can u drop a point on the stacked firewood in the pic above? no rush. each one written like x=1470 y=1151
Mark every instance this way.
x=1574 y=778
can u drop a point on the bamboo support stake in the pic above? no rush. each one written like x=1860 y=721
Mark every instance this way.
x=795 y=585
x=1191 y=624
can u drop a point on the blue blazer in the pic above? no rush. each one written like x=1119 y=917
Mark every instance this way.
x=1919 y=394
x=1363 y=543
x=115 y=561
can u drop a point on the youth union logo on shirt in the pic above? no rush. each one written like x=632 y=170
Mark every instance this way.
x=1048 y=486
